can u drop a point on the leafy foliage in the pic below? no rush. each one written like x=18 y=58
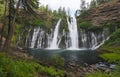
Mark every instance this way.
x=85 y=25
x=57 y=60
x=11 y=68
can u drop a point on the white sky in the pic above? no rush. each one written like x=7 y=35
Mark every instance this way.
x=73 y=5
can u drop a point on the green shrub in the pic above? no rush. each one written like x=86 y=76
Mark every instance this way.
x=2 y=73
x=57 y=60
x=11 y=68
x=84 y=25
x=50 y=71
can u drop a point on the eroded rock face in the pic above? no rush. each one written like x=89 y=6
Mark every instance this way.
x=104 y=13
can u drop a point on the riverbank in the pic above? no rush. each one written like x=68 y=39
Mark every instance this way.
x=18 y=60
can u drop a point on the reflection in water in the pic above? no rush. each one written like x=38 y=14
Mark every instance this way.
x=84 y=56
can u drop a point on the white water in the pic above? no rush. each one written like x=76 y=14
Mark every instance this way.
x=34 y=38
x=73 y=32
x=54 y=44
x=39 y=38
x=97 y=46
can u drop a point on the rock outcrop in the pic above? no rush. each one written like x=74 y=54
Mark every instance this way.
x=104 y=13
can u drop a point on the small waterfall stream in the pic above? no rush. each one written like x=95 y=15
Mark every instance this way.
x=54 y=44
x=34 y=38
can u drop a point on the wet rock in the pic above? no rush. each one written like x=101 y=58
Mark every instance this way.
x=112 y=66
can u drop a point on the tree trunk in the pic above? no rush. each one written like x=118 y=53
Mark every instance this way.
x=11 y=25
x=2 y=30
x=9 y=36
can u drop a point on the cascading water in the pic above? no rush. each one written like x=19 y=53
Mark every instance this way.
x=73 y=32
x=54 y=44
x=83 y=39
x=94 y=41
x=40 y=39
x=37 y=37
x=35 y=34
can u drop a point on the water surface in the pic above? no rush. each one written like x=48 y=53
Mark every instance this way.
x=74 y=56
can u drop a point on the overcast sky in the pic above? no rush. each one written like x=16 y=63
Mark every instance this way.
x=73 y=5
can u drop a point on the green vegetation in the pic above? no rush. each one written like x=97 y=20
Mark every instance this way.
x=114 y=73
x=57 y=60
x=114 y=39
x=10 y=67
x=95 y=3
x=111 y=57
x=1 y=10
x=97 y=74
x=111 y=48
x=85 y=25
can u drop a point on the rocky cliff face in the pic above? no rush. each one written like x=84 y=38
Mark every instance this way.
x=104 y=13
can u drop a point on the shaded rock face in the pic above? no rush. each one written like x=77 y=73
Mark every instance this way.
x=104 y=13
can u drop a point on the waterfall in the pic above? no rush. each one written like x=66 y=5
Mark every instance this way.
x=54 y=44
x=73 y=33
x=84 y=39
x=34 y=38
x=37 y=37
x=104 y=37
x=40 y=39
x=27 y=38
x=94 y=41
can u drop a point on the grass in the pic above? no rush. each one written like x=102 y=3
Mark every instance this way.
x=110 y=49
x=10 y=67
x=97 y=74
x=111 y=57
x=114 y=73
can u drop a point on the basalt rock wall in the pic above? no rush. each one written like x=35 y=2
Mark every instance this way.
x=104 y=13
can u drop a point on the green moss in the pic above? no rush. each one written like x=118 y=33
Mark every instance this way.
x=110 y=49
x=1 y=10
x=111 y=57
